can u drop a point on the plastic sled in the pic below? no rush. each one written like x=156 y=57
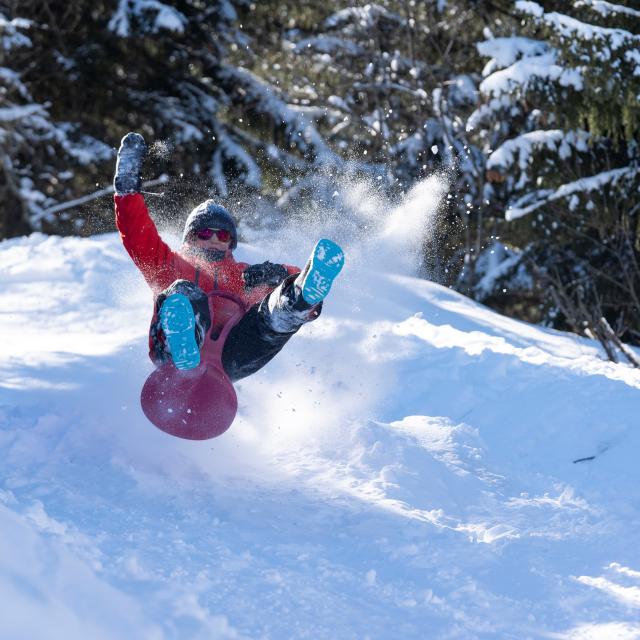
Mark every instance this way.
x=200 y=403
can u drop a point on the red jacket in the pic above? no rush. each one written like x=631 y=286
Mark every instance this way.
x=161 y=266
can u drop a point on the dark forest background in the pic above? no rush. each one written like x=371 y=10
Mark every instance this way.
x=530 y=109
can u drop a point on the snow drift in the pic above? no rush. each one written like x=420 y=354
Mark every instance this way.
x=412 y=465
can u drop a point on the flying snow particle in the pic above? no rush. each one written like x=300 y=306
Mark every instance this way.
x=160 y=149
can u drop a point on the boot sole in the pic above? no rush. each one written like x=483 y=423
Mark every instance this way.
x=179 y=326
x=327 y=261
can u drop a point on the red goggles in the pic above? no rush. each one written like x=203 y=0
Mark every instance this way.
x=206 y=234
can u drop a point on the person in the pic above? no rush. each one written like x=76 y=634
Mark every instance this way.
x=278 y=298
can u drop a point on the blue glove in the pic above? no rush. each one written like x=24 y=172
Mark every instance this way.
x=131 y=155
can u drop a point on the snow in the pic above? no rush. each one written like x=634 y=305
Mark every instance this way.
x=633 y=55
x=338 y=103
x=582 y=185
x=462 y=90
x=232 y=151
x=12 y=80
x=366 y=17
x=607 y=8
x=532 y=8
x=572 y=28
x=499 y=264
x=505 y=51
x=10 y=114
x=166 y=17
x=328 y=44
x=299 y=130
x=522 y=147
x=410 y=461
x=86 y=149
x=521 y=73
x=583 y=34
x=486 y=111
x=10 y=37
x=515 y=61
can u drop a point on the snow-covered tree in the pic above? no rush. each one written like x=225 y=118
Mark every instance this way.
x=390 y=85
x=170 y=70
x=37 y=153
x=559 y=124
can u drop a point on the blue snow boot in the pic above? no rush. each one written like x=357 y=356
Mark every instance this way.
x=178 y=323
x=322 y=268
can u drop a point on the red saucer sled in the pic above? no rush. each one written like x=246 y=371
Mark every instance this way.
x=200 y=403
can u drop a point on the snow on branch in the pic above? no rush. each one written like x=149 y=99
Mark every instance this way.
x=328 y=45
x=521 y=75
x=10 y=36
x=11 y=79
x=633 y=56
x=485 y=112
x=228 y=151
x=524 y=145
x=497 y=263
x=365 y=17
x=35 y=123
x=572 y=28
x=15 y=23
x=505 y=51
x=607 y=8
x=166 y=17
x=260 y=97
x=592 y=183
x=86 y=149
x=227 y=11
x=13 y=113
x=186 y=125
x=277 y=157
x=27 y=130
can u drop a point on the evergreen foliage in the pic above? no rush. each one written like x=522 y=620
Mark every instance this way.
x=163 y=69
x=563 y=94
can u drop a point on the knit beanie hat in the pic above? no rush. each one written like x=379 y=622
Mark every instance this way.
x=210 y=215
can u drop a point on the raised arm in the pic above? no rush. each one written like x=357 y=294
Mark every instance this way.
x=137 y=230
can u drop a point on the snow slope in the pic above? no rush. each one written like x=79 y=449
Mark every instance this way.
x=411 y=466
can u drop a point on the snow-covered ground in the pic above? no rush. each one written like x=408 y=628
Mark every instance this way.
x=411 y=466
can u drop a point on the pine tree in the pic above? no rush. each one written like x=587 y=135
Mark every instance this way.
x=390 y=85
x=37 y=152
x=170 y=71
x=559 y=125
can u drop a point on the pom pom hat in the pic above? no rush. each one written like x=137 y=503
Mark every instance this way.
x=210 y=215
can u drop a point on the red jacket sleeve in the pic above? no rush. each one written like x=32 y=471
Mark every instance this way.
x=141 y=238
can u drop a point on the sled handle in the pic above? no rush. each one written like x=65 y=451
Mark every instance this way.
x=231 y=322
